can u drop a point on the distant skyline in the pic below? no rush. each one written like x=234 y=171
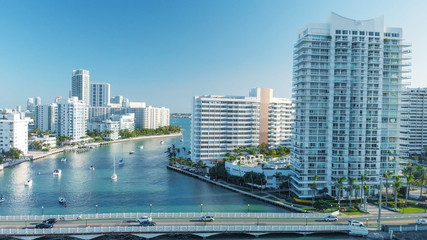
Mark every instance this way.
x=166 y=52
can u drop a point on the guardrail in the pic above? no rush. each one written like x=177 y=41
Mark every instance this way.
x=163 y=215
x=404 y=228
x=179 y=229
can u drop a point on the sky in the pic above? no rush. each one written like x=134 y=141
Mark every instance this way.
x=165 y=52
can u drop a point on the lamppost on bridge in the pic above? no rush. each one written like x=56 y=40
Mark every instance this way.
x=367 y=223
x=96 y=207
x=257 y=220
x=248 y=207
x=151 y=208
x=201 y=207
x=42 y=210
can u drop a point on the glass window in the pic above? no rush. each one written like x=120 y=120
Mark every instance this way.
x=344 y=32
x=337 y=31
x=354 y=32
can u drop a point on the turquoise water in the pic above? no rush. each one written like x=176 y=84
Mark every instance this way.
x=142 y=180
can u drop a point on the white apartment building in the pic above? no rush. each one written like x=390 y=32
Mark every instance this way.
x=30 y=104
x=346 y=87
x=71 y=119
x=13 y=132
x=414 y=120
x=45 y=117
x=45 y=139
x=223 y=123
x=80 y=86
x=126 y=122
x=149 y=117
x=38 y=101
x=99 y=94
x=106 y=125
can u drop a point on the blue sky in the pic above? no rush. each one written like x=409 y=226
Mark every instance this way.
x=165 y=52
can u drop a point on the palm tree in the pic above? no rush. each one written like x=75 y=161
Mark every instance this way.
x=351 y=186
x=409 y=180
x=278 y=176
x=288 y=178
x=340 y=186
x=314 y=188
x=397 y=185
x=421 y=174
x=386 y=176
x=365 y=197
x=362 y=192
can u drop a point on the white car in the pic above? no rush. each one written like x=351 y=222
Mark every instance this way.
x=144 y=219
x=331 y=218
x=207 y=218
x=355 y=223
x=421 y=221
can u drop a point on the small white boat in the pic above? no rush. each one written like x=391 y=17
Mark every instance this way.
x=29 y=182
x=62 y=200
x=131 y=152
x=57 y=172
x=92 y=167
x=162 y=142
x=63 y=159
x=114 y=176
x=141 y=147
x=182 y=140
x=2 y=199
x=121 y=162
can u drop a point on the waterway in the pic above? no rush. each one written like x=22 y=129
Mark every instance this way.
x=143 y=179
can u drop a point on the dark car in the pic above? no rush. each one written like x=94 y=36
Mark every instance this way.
x=148 y=223
x=44 y=225
x=50 y=220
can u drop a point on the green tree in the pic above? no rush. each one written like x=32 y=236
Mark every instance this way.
x=397 y=183
x=408 y=172
x=14 y=153
x=279 y=177
x=340 y=186
x=387 y=175
x=421 y=176
x=351 y=187
x=314 y=189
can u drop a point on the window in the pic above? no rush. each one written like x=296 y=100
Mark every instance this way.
x=337 y=31
x=362 y=33
x=344 y=32
x=354 y=32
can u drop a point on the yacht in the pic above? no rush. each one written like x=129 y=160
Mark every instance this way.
x=121 y=161
x=131 y=152
x=114 y=176
x=63 y=159
x=182 y=140
x=162 y=142
x=57 y=172
x=29 y=182
x=141 y=147
x=2 y=199
x=62 y=200
x=92 y=167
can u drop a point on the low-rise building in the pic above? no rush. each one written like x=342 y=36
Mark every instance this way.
x=271 y=168
x=13 y=132
x=112 y=128
x=45 y=140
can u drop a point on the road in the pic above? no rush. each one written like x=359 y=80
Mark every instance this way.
x=372 y=222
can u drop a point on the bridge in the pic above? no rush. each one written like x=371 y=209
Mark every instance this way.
x=88 y=226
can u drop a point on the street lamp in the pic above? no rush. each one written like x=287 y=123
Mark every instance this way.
x=151 y=207
x=257 y=220
x=201 y=207
x=331 y=208
x=42 y=210
x=96 y=206
x=367 y=222
x=248 y=207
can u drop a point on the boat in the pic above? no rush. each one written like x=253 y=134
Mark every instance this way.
x=141 y=147
x=182 y=140
x=131 y=152
x=92 y=167
x=2 y=199
x=162 y=142
x=121 y=161
x=57 y=172
x=114 y=176
x=29 y=182
x=63 y=159
x=62 y=200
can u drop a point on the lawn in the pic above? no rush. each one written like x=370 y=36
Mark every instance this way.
x=354 y=213
x=412 y=210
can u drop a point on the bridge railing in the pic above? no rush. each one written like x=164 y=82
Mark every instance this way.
x=404 y=228
x=162 y=215
x=180 y=229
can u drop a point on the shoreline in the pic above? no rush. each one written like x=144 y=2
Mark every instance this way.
x=40 y=155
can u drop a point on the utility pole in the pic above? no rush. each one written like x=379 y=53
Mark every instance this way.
x=379 y=203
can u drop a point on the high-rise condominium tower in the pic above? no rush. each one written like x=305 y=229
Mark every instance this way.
x=80 y=85
x=346 y=87
x=99 y=94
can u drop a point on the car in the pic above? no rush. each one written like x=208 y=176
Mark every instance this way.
x=50 y=221
x=421 y=221
x=147 y=223
x=44 y=225
x=355 y=223
x=143 y=219
x=331 y=218
x=207 y=218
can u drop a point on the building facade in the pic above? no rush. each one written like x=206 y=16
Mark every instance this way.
x=13 y=133
x=80 y=85
x=414 y=120
x=346 y=88
x=221 y=124
x=71 y=120
x=30 y=104
x=99 y=94
x=45 y=117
